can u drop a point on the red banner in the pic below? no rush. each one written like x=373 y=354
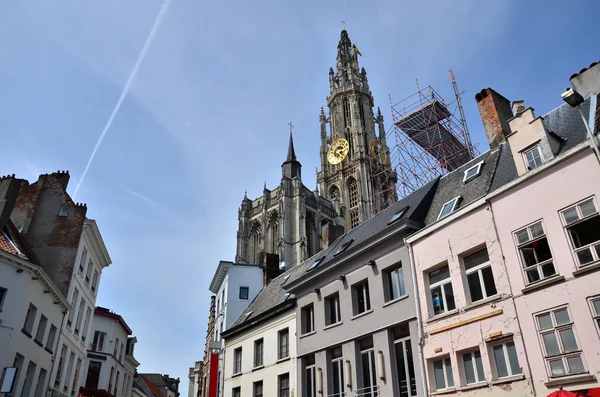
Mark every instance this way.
x=213 y=372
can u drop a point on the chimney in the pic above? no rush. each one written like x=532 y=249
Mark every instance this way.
x=495 y=112
x=518 y=107
x=9 y=190
x=62 y=177
x=270 y=268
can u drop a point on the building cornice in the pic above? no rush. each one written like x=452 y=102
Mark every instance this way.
x=93 y=233
x=41 y=276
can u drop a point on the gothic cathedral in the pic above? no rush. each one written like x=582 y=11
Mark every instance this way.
x=356 y=179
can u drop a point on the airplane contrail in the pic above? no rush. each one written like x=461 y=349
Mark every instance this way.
x=134 y=71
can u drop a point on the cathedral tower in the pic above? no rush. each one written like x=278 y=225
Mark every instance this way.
x=354 y=157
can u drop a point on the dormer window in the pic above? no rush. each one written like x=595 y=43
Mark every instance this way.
x=397 y=215
x=473 y=172
x=449 y=207
x=533 y=157
x=315 y=264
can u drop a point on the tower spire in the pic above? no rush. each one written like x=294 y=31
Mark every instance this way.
x=291 y=166
x=291 y=156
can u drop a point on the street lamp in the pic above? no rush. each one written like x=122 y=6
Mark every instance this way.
x=574 y=99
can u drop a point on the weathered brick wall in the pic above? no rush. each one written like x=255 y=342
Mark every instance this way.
x=51 y=223
x=495 y=112
x=203 y=392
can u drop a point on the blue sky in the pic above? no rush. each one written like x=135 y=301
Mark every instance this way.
x=206 y=117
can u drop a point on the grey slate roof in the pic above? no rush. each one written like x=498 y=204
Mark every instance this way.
x=452 y=185
x=566 y=122
x=417 y=203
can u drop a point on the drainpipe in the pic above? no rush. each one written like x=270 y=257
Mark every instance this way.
x=491 y=209
x=419 y=317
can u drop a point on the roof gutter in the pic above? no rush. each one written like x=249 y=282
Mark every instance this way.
x=407 y=223
x=420 y=332
x=450 y=218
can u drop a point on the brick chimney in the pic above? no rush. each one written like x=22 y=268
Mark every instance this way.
x=495 y=112
x=270 y=268
x=62 y=177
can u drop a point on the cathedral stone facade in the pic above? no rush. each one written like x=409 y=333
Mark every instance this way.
x=356 y=179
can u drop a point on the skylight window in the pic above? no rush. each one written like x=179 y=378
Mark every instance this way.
x=285 y=278
x=449 y=207
x=473 y=172
x=343 y=247
x=285 y=297
x=247 y=315
x=398 y=215
x=315 y=264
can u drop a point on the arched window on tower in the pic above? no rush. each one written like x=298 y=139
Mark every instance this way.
x=273 y=235
x=311 y=234
x=361 y=110
x=334 y=193
x=353 y=201
x=255 y=240
x=346 y=113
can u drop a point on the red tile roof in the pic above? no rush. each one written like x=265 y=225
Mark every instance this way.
x=152 y=386
x=6 y=244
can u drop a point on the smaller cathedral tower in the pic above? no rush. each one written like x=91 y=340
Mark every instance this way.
x=287 y=221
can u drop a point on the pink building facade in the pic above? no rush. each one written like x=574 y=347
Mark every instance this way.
x=472 y=341
x=549 y=229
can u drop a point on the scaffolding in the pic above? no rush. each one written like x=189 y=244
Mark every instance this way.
x=428 y=138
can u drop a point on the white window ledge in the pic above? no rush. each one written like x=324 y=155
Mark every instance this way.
x=398 y=299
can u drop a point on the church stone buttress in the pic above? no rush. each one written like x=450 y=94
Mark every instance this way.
x=354 y=181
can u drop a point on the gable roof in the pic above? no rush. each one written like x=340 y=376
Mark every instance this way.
x=151 y=386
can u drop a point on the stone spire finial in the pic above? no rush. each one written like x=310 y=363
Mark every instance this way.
x=291 y=156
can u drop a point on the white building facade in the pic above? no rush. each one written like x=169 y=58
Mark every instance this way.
x=110 y=361
x=235 y=286
x=31 y=312
x=76 y=332
x=260 y=347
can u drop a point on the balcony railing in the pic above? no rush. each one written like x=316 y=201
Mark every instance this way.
x=371 y=391
x=342 y=394
x=55 y=393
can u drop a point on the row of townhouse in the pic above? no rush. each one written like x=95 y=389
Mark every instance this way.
x=51 y=332
x=483 y=281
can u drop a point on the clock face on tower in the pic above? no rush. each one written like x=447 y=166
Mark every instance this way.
x=338 y=151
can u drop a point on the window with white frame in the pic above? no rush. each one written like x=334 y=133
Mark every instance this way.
x=394 y=283
x=307 y=319
x=472 y=172
x=535 y=253
x=74 y=299
x=79 y=316
x=258 y=352
x=95 y=280
x=236 y=391
x=237 y=360
x=403 y=355
x=442 y=374
x=257 y=389
x=595 y=308
x=506 y=361
x=557 y=335
x=84 y=255
x=283 y=348
x=332 y=309
x=310 y=383
x=449 y=207
x=480 y=277
x=283 y=385
x=30 y=319
x=582 y=223
x=533 y=157
x=337 y=372
x=367 y=382
x=472 y=367
x=440 y=287
x=88 y=272
x=361 y=301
